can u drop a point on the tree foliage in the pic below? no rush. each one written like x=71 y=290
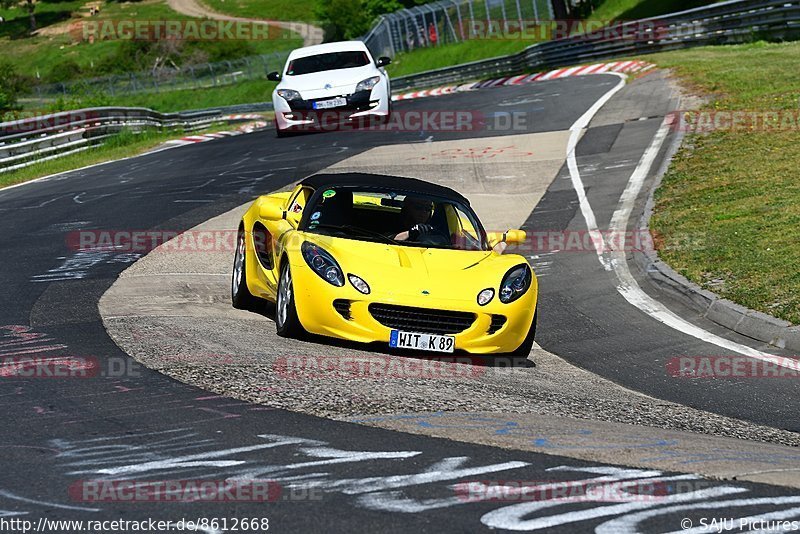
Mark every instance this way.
x=30 y=6
x=11 y=84
x=348 y=19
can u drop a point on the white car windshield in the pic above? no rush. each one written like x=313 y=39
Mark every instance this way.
x=329 y=61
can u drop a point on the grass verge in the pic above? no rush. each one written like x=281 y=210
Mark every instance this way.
x=640 y=9
x=226 y=95
x=736 y=193
x=301 y=10
x=57 y=53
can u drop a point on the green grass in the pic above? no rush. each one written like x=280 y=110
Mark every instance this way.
x=736 y=194
x=58 y=56
x=639 y=9
x=240 y=93
x=301 y=10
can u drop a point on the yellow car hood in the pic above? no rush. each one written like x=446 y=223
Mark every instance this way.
x=393 y=270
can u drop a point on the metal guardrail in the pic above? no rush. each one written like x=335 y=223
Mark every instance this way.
x=447 y=21
x=28 y=141
x=723 y=23
x=164 y=79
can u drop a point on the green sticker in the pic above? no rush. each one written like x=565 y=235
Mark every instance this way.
x=329 y=193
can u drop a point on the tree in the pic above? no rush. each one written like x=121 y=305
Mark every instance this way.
x=11 y=84
x=30 y=6
x=349 y=19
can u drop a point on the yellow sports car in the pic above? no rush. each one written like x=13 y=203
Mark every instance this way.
x=373 y=258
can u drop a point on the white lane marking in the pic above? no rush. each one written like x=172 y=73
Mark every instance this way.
x=630 y=523
x=13 y=496
x=572 y=163
x=524 y=516
x=628 y=287
x=207 y=459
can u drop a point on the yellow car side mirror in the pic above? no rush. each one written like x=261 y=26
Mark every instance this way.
x=499 y=241
x=271 y=211
x=515 y=237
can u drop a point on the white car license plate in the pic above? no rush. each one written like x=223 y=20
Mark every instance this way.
x=415 y=340
x=332 y=103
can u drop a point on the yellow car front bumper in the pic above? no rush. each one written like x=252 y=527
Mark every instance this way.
x=315 y=299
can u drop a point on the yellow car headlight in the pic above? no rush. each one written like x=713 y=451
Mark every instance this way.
x=485 y=296
x=359 y=284
x=516 y=283
x=322 y=263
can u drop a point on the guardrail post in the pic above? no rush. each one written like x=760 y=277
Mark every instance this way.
x=460 y=21
x=213 y=74
x=472 y=18
x=450 y=24
x=425 y=36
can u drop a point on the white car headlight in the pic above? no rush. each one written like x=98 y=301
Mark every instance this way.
x=368 y=84
x=289 y=94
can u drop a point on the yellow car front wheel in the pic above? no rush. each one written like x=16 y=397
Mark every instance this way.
x=525 y=349
x=240 y=295
x=286 y=321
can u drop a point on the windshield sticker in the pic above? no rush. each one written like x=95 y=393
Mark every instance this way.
x=315 y=215
x=329 y=193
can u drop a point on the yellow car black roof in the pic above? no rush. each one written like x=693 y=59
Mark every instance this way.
x=393 y=183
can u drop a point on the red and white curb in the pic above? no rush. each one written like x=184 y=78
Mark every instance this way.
x=627 y=67
x=191 y=139
x=243 y=117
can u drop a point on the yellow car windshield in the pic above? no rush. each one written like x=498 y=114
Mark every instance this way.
x=401 y=218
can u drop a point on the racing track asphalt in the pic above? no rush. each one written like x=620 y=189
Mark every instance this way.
x=141 y=425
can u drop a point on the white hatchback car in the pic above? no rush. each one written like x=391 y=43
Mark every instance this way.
x=330 y=84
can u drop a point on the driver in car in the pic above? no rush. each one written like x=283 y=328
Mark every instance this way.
x=416 y=213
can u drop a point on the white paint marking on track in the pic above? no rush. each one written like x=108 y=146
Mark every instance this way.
x=8 y=495
x=614 y=260
x=630 y=523
x=523 y=516
x=572 y=163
